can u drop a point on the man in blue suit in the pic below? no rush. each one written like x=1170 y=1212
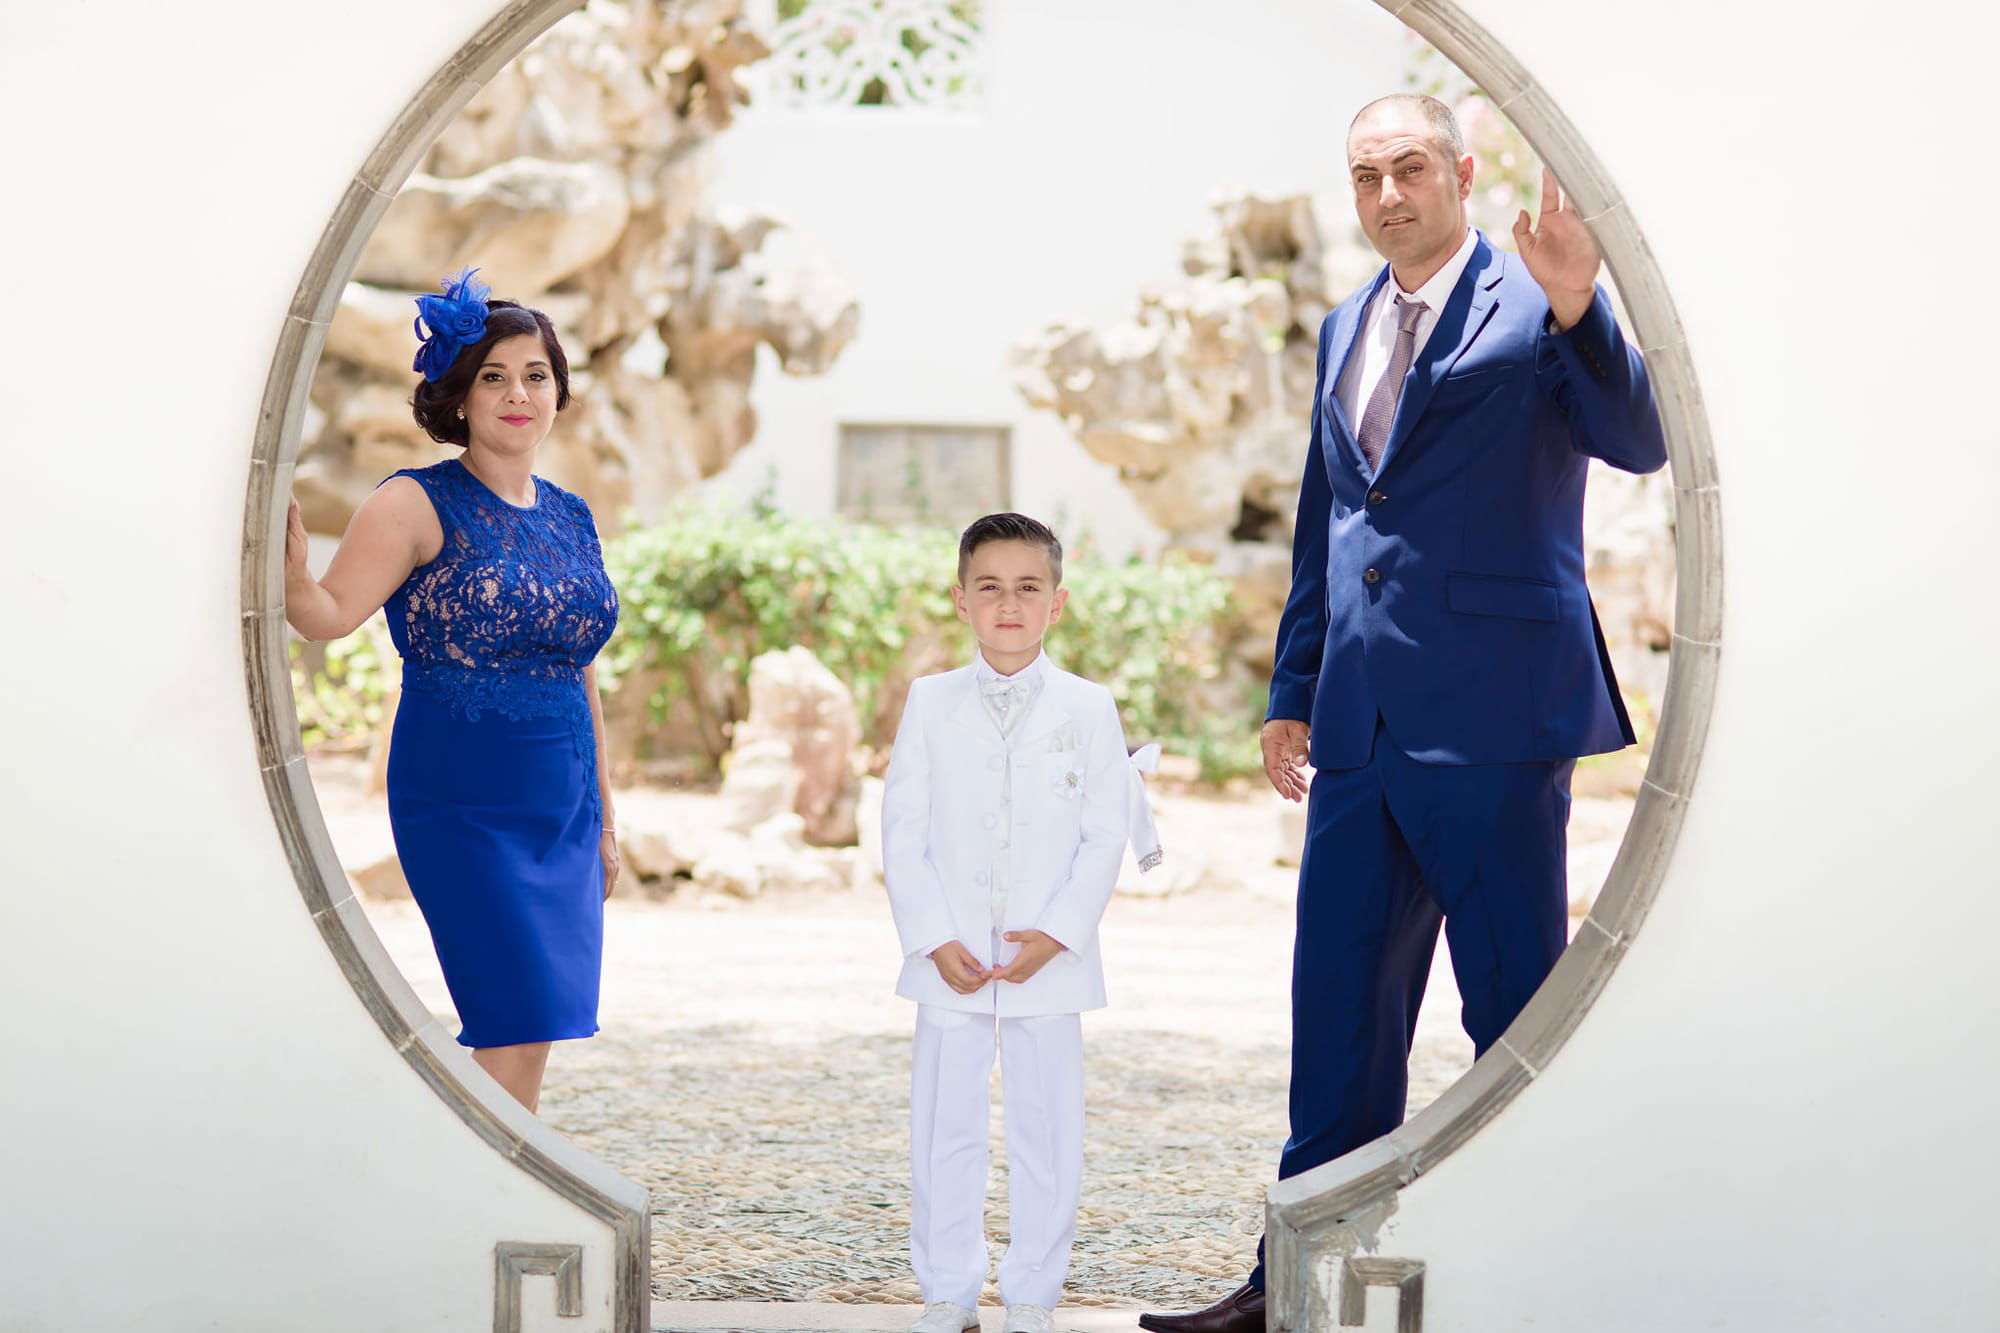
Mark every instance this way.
x=1439 y=664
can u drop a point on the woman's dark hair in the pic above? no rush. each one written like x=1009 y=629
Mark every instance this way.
x=436 y=402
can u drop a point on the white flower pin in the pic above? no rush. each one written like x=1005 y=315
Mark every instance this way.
x=1068 y=784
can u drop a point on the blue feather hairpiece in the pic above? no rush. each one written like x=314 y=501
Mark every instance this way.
x=456 y=320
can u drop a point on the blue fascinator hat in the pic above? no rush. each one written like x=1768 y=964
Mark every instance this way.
x=455 y=321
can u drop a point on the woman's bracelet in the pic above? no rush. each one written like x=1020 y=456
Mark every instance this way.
x=611 y=832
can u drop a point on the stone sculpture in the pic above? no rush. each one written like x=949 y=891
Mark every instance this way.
x=795 y=752
x=578 y=179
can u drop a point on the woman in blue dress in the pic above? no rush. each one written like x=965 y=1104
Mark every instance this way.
x=497 y=599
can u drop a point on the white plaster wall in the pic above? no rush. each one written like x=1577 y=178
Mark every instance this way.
x=1774 y=1119
x=200 y=1127
x=1779 y=1114
x=1107 y=128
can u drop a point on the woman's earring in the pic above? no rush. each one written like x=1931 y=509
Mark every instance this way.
x=461 y=414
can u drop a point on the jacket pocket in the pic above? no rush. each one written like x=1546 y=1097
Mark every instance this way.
x=1492 y=595
x=1060 y=777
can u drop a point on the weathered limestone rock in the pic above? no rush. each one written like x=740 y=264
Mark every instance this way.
x=788 y=865
x=818 y=870
x=759 y=783
x=578 y=181
x=868 y=820
x=535 y=221
x=794 y=752
x=381 y=880
x=771 y=858
x=1629 y=544
x=651 y=858
x=1260 y=579
x=372 y=330
x=1214 y=359
x=729 y=867
x=1201 y=399
x=780 y=836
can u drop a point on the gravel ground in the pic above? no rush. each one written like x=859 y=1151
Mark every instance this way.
x=753 y=1064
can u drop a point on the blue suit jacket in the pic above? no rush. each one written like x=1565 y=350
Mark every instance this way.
x=1447 y=592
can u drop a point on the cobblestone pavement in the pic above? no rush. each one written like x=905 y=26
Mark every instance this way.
x=752 y=1073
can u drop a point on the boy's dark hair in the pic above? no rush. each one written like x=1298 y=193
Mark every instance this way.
x=1008 y=528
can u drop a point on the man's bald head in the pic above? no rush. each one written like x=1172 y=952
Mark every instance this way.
x=1442 y=124
x=1407 y=163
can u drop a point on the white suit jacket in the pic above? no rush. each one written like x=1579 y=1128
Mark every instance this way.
x=1070 y=811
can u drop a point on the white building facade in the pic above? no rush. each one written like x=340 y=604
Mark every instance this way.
x=1056 y=173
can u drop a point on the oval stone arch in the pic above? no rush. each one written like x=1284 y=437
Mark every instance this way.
x=1307 y=1213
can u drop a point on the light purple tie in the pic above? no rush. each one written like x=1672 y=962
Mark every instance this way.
x=1381 y=410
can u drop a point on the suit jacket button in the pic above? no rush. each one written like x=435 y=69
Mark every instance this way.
x=1376 y=497
x=1371 y=575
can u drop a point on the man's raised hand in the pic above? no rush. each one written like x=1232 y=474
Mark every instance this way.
x=1285 y=753
x=1560 y=253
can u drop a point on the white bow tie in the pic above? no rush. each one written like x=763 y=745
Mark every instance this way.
x=1004 y=692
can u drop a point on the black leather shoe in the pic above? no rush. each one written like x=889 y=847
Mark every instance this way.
x=1241 y=1311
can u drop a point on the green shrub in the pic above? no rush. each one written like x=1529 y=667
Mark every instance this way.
x=339 y=685
x=704 y=592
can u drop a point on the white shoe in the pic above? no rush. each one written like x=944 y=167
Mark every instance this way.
x=1029 y=1319
x=944 y=1317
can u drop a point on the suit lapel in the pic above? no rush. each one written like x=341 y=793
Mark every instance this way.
x=1346 y=334
x=968 y=712
x=1049 y=714
x=1465 y=314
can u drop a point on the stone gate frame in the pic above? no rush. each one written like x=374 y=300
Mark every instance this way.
x=1318 y=1222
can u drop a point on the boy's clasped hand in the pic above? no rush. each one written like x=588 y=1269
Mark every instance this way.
x=963 y=973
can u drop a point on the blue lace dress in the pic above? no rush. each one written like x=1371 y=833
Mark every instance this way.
x=492 y=763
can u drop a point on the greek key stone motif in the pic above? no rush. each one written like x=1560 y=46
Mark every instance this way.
x=513 y=1260
x=1405 y=1275
x=854 y=52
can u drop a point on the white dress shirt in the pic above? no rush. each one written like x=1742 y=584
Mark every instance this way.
x=1006 y=712
x=1377 y=340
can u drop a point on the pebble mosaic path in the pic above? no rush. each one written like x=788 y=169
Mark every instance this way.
x=752 y=1070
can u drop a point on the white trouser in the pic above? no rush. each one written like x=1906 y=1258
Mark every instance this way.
x=1041 y=1076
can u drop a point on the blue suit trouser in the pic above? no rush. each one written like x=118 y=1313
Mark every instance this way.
x=1393 y=848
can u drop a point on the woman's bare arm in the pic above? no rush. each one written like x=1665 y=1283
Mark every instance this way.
x=609 y=850
x=393 y=532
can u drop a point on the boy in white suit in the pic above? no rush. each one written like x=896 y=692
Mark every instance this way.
x=1004 y=819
